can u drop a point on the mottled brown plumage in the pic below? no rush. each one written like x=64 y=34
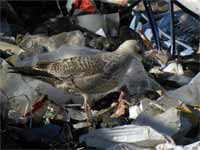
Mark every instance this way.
x=87 y=75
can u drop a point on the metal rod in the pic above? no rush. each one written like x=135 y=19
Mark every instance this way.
x=58 y=5
x=173 y=50
x=154 y=27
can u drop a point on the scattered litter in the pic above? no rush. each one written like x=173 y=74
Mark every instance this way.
x=76 y=114
x=85 y=5
x=177 y=125
x=126 y=146
x=172 y=146
x=174 y=68
x=13 y=49
x=101 y=32
x=80 y=125
x=180 y=79
x=186 y=28
x=189 y=94
x=43 y=44
x=134 y=112
x=105 y=25
x=140 y=135
x=154 y=105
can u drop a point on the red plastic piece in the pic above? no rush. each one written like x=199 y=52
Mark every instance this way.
x=86 y=5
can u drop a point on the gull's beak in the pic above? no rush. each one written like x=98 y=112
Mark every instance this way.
x=162 y=57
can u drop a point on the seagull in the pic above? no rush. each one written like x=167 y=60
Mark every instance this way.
x=86 y=75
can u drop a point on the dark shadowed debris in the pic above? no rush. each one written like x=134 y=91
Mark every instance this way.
x=49 y=136
x=55 y=25
x=3 y=111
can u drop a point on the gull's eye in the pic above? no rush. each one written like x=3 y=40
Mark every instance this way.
x=139 y=52
x=44 y=49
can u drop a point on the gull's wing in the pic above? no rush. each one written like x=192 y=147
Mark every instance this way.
x=80 y=67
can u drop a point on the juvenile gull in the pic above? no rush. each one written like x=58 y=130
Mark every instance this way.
x=86 y=75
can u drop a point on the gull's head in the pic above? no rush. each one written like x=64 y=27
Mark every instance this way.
x=132 y=48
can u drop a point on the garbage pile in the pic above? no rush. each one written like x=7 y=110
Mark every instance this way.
x=150 y=101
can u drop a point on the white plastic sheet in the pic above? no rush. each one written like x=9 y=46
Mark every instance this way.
x=189 y=94
x=139 y=135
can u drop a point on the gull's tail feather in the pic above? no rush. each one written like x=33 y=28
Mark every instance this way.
x=34 y=73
